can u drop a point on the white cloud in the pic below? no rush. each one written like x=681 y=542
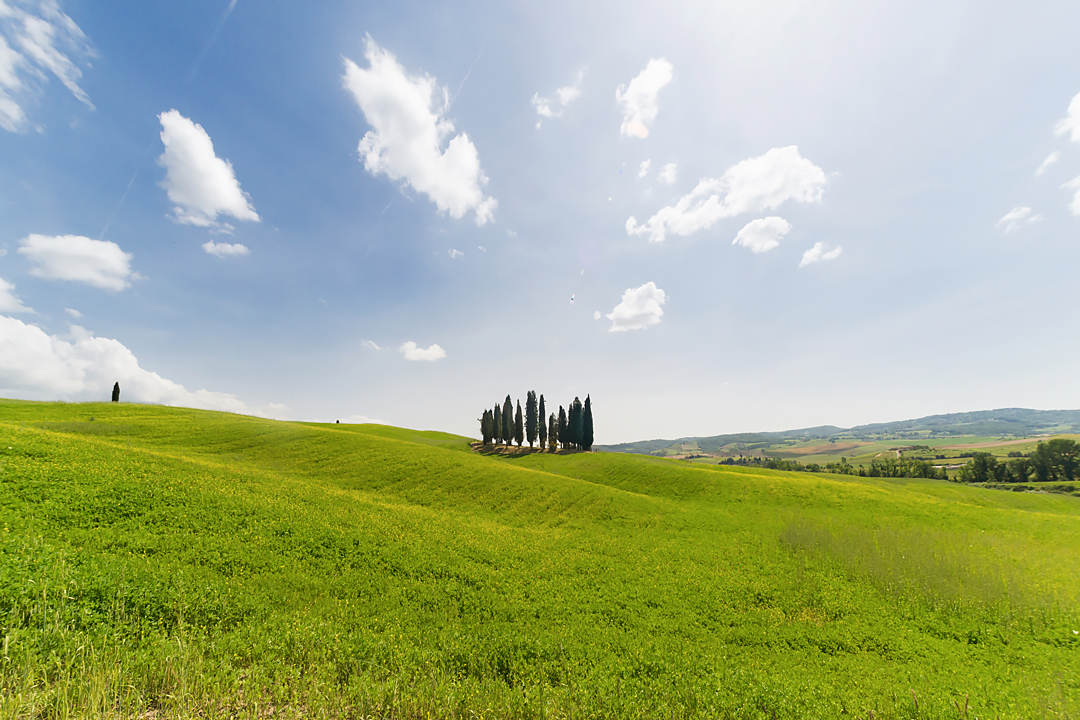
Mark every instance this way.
x=1050 y=160
x=596 y=315
x=763 y=234
x=409 y=130
x=481 y=248
x=1074 y=184
x=668 y=174
x=32 y=44
x=759 y=183
x=639 y=98
x=553 y=107
x=639 y=308
x=201 y=186
x=1070 y=124
x=224 y=249
x=643 y=169
x=99 y=263
x=454 y=253
x=412 y=351
x=371 y=345
x=1016 y=218
x=37 y=365
x=820 y=252
x=9 y=301
x=73 y=313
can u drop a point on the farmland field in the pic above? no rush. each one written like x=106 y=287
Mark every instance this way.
x=163 y=562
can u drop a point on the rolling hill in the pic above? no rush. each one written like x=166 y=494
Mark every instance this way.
x=163 y=562
x=982 y=424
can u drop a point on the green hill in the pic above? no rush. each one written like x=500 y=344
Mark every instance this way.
x=160 y=562
x=982 y=424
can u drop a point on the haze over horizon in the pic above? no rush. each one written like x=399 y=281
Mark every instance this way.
x=711 y=219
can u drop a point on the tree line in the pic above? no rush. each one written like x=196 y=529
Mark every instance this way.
x=879 y=467
x=1052 y=461
x=572 y=427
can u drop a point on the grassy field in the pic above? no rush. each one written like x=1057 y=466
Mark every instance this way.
x=159 y=562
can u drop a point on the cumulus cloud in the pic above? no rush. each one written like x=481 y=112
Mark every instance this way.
x=820 y=252
x=1074 y=185
x=9 y=301
x=224 y=249
x=201 y=186
x=37 y=365
x=408 y=139
x=668 y=174
x=639 y=98
x=759 y=183
x=763 y=234
x=75 y=258
x=36 y=40
x=554 y=106
x=639 y=308
x=411 y=351
x=643 y=169
x=1045 y=164
x=1070 y=124
x=454 y=253
x=1016 y=218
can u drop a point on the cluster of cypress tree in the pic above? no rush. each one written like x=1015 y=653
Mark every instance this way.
x=573 y=429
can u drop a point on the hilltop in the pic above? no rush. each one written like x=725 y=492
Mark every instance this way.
x=164 y=562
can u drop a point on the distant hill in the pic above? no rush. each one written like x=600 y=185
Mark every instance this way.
x=1003 y=422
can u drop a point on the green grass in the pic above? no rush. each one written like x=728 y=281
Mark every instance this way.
x=161 y=562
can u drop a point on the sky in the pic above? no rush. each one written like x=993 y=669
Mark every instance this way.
x=709 y=216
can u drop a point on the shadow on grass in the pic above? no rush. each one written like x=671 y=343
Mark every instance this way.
x=514 y=453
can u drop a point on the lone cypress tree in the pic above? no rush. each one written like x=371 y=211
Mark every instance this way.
x=530 y=417
x=543 y=424
x=508 y=421
x=577 y=429
x=587 y=427
x=519 y=426
x=553 y=433
x=496 y=422
x=116 y=392
x=563 y=437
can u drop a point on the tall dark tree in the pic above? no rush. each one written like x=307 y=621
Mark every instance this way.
x=496 y=424
x=543 y=424
x=485 y=427
x=508 y=420
x=116 y=392
x=553 y=433
x=576 y=421
x=519 y=426
x=587 y=427
x=564 y=439
x=530 y=417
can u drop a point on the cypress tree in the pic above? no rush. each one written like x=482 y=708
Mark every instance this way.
x=543 y=425
x=576 y=423
x=115 y=391
x=553 y=433
x=530 y=417
x=587 y=435
x=484 y=427
x=496 y=421
x=563 y=439
x=508 y=421
x=519 y=426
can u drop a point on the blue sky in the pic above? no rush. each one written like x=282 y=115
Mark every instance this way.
x=840 y=210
